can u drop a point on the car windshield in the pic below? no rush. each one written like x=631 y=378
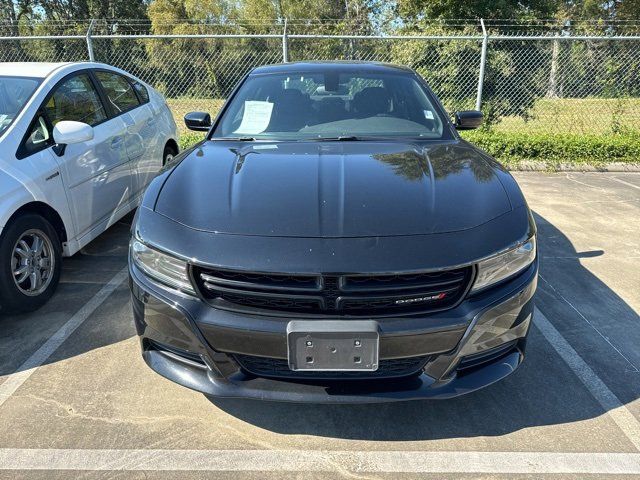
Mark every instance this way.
x=15 y=92
x=332 y=105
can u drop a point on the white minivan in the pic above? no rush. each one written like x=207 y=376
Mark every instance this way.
x=79 y=142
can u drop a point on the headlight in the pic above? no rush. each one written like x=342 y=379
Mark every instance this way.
x=495 y=269
x=161 y=267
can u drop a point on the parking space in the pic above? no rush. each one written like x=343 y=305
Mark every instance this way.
x=77 y=400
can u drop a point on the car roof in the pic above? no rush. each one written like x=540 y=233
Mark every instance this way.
x=30 y=69
x=337 y=66
x=42 y=70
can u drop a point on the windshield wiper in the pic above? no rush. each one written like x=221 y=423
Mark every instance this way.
x=341 y=138
x=236 y=139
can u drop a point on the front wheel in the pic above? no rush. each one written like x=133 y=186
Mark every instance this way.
x=30 y=265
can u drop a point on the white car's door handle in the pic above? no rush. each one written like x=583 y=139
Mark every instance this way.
x=116 y=142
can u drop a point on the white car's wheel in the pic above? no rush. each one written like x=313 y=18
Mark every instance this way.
x=31 y=264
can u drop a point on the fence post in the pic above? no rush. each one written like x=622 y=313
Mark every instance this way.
x=90 y=42
x=285 y=43
x=483 y=62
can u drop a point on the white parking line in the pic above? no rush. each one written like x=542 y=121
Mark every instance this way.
x=321 y=461
x=606 y=339
x=598 y=389
x=15 y=380
x=625 y=183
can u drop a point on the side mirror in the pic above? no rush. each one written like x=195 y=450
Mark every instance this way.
x=198 y=121
x=67 y=132
x=467 y=119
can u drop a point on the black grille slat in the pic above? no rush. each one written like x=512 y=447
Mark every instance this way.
x=397 y=282
x=334 y=295
x=276 y=303
x=263 y=282
x=279 y=368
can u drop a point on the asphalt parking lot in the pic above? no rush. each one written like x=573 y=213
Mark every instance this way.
x=76 y=399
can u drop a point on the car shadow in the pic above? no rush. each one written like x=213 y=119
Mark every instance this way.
x=544 y=391
x=83 y=275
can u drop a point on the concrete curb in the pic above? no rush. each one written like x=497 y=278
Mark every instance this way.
x=535 y=166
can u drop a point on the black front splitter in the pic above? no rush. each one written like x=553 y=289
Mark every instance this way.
x=422 y=387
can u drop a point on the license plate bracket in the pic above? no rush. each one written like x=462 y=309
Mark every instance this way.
x=333 y=345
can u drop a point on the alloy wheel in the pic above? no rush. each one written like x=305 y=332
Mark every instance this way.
x=33 y=262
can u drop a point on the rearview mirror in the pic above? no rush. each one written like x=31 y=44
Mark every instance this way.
x=67 y=132
x=467 y=119
x=198 y=121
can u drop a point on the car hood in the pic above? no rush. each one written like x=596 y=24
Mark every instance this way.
x=332 y=189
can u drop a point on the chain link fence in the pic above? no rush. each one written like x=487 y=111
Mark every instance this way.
x=552 y=84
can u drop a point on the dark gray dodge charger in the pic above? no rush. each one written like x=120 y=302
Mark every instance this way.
x=333 y=239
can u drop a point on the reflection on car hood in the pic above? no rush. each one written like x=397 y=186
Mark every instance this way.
x=333 y=189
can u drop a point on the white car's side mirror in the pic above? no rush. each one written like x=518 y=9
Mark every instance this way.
x=67 y=132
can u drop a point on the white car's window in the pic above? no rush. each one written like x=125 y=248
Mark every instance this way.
x=15 y=92
x=39 y=137
x=119 y=91
x=142 y=91
x=40 y=133
x=76 y=99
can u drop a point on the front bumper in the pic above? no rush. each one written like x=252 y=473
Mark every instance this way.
x=473 y=345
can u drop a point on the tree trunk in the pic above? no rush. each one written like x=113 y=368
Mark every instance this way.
x=552 y=90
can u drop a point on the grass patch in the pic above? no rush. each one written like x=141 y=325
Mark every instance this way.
x=189 y=139
x=512 y=149
x=591 y=116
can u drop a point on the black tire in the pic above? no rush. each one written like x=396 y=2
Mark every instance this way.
x=13 y=298
x=169 y=153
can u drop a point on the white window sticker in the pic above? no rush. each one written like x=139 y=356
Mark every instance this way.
x=265 y=147
x=428 y=114
x=256 y=117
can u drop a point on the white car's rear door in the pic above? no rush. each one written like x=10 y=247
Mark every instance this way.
x=142 y=138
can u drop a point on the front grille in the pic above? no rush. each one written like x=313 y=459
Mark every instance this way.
x=333 y=295
x=279 y=368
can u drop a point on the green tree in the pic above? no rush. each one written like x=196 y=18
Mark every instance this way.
x=413 y=11
x=628 y=10
x=211 y=67
x=85 y=9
